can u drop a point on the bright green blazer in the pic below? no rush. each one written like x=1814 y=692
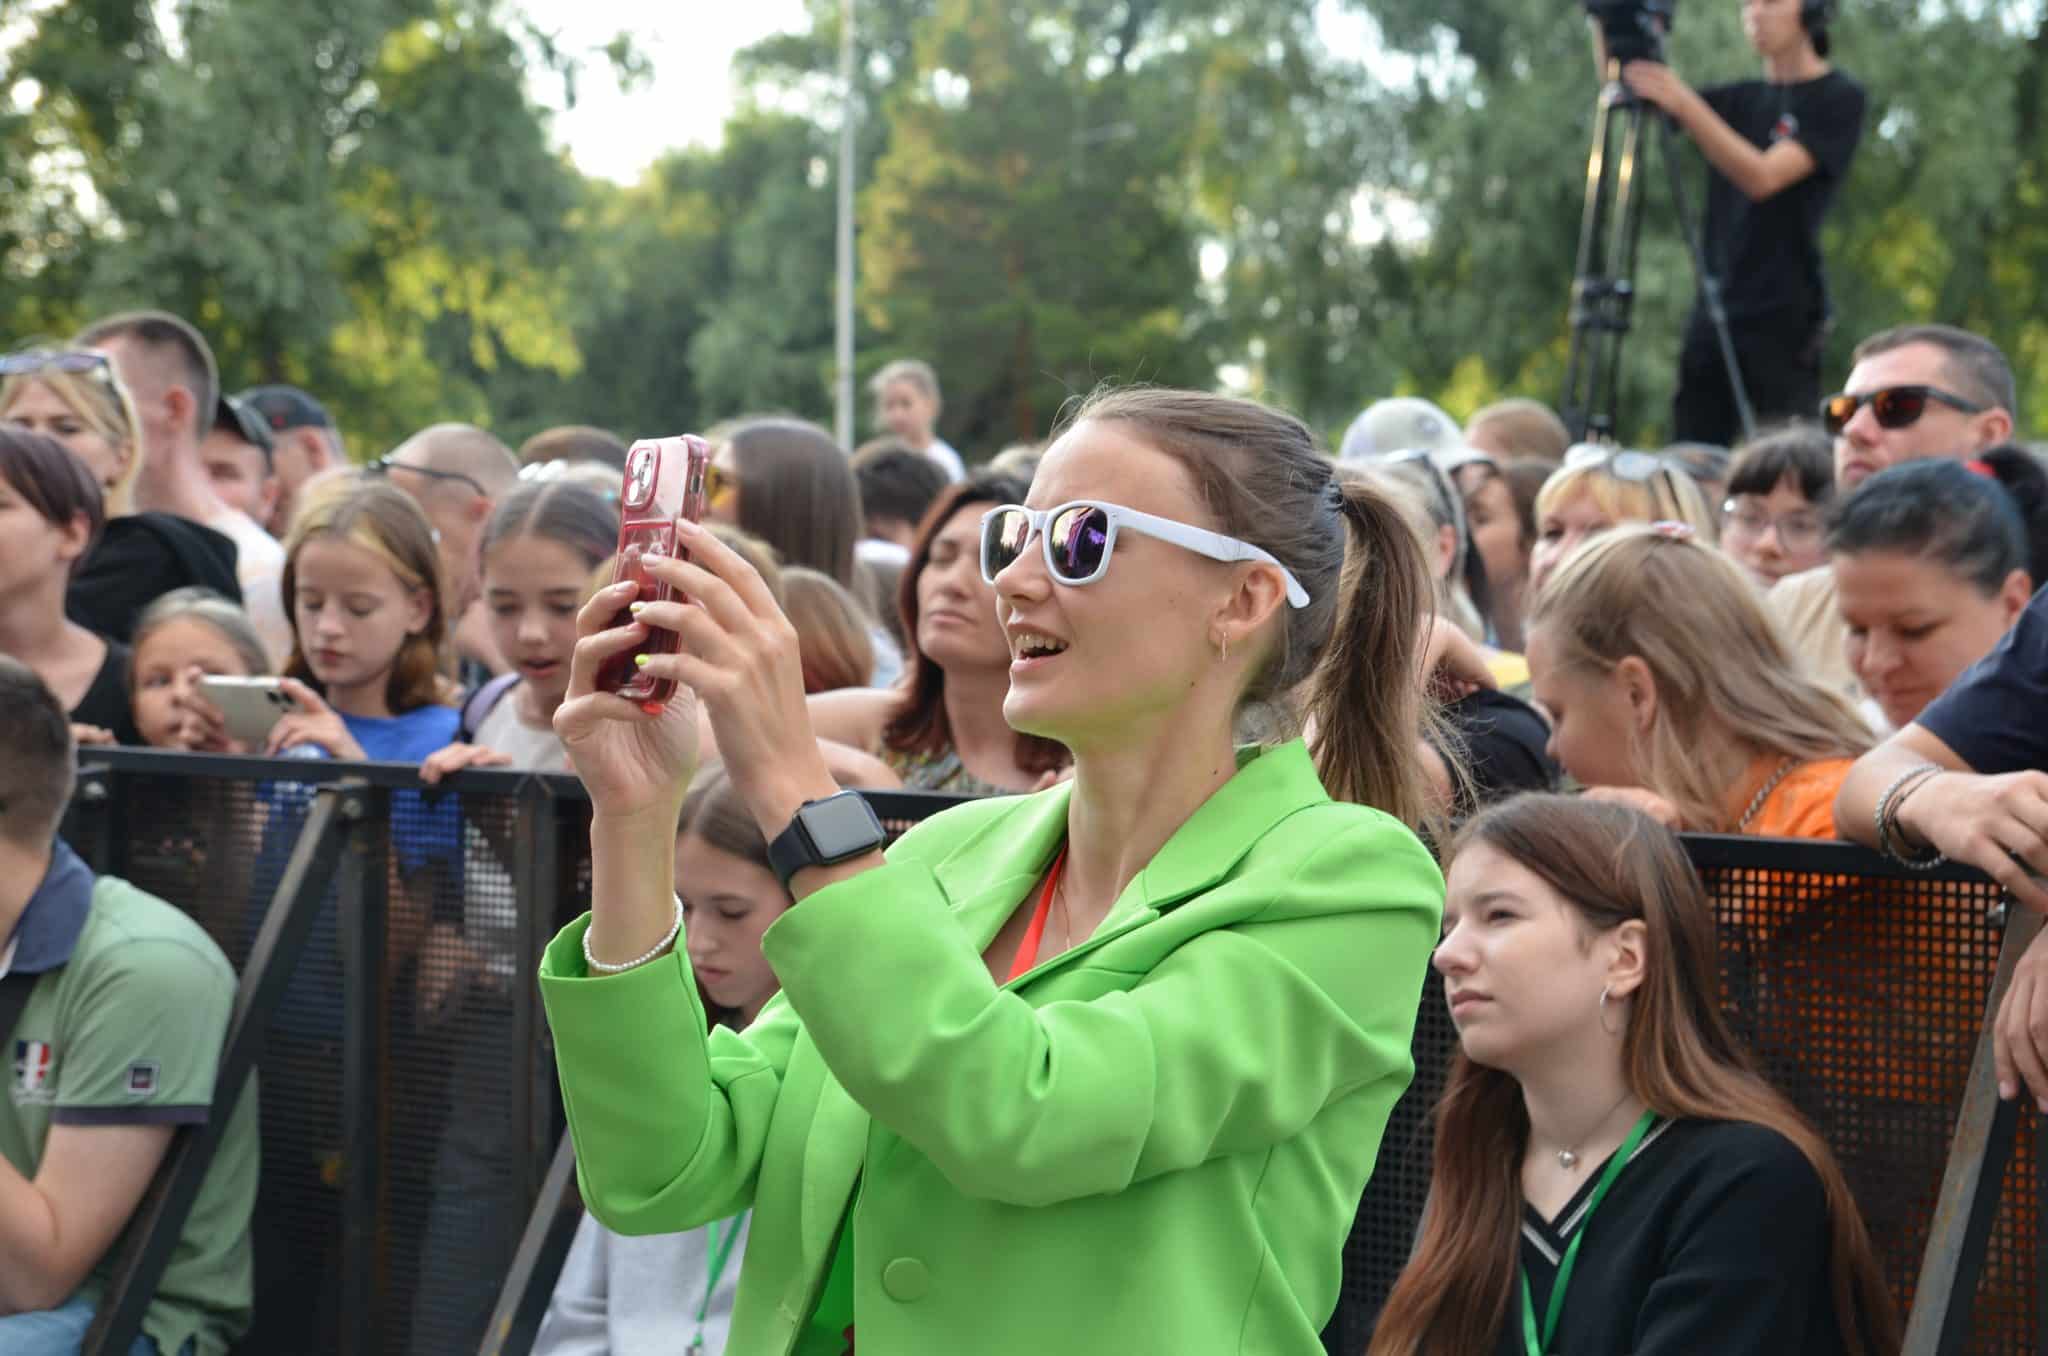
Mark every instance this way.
x=1155 y=1142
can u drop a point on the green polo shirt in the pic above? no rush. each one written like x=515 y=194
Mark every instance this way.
x=124 y=1027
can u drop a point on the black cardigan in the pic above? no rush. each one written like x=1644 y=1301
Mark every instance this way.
x=1713 y=1239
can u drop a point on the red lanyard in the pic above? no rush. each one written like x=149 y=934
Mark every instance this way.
x=1027 y=950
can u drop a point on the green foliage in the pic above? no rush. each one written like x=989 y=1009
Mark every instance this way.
x=360 y=196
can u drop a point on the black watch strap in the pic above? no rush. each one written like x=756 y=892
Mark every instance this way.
x=826 y=832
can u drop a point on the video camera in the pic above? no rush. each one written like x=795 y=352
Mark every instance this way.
x=1634 y=29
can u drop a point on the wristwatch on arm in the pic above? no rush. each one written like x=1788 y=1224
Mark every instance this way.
x=826 y=832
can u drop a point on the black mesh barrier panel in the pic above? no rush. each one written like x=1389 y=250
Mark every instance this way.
x=1861 y=991
x=1860 y=988
x=470 y=885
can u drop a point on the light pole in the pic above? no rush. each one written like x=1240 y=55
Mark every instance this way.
x=843 y=338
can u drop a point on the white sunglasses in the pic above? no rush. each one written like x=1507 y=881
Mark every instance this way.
x=1078 y=538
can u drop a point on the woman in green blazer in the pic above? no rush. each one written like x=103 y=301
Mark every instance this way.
x=1102 y=1069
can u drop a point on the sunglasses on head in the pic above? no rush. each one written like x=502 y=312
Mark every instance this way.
x=75 y=360
x=1892 y=406
x=1078 y=538
x=386 y=464
x=1625 y=463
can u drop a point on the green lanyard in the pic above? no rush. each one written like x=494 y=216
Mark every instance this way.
x=1540 y=1345
x=721 y=1251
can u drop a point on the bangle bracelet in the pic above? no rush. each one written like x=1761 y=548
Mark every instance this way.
x=675 y=930
x=1888 y=805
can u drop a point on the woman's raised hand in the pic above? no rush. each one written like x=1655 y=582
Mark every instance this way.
x=739 y=656
x=632 y=761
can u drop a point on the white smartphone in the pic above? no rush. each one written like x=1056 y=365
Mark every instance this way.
x=251 y=706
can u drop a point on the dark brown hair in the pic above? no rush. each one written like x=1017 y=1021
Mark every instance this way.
x=1973 y=363
x=1613 y=865
x=385 y=521
x=797 y=493
x=53 y=483
x=1356 y=645
x=560 y=511
x=919 y=726
x=715 y=812
x=36 y=775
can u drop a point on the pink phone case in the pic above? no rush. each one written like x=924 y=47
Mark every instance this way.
x=663 y=484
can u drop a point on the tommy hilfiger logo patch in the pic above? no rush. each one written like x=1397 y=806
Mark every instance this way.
x=34 y=1063
x=142 y=1078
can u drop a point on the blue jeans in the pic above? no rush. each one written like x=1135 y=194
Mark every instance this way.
x=59 y=1331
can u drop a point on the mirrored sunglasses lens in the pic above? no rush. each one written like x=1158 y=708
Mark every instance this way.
x=1837 y=413
x=1898 y=408
x=1080 y=538
x=1002 y=540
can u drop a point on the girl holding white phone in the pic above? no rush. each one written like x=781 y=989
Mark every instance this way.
x=183 y=639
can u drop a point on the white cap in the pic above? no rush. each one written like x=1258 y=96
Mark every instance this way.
x=1396 y=425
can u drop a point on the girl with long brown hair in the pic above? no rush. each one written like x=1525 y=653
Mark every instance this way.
x=1611 y=1175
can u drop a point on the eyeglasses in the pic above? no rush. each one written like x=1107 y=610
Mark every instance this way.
x=1893 y=407
x=1797 y=531
x=74 y=360
x=385 y=465
x=1625 y=463
x=1079 y=537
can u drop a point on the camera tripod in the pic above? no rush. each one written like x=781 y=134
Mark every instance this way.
x=1603 y=289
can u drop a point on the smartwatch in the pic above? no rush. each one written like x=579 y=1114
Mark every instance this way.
x=826 y=832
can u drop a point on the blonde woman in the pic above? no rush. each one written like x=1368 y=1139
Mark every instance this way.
x=1600 y=488
x=1669 y=688
x=75 y=397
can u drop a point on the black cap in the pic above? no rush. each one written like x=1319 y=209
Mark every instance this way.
x=234 y=413
x=284 y=407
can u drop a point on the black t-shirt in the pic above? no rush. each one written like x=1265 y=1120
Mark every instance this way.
x=1766 y=254
x=1995 y=717
x=1504 y=740
x=105 y=703
x=137 y=560
x=1714 y=1238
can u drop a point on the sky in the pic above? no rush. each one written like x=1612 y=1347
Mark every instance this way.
x=690 y=45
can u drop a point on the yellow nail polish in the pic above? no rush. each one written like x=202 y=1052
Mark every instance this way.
x=637 y=608
x=640 y=661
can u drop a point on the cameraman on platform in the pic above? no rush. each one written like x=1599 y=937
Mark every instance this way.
x=1776 y=149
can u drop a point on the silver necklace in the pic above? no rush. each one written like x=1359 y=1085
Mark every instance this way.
x=1764 y=791
x=1568 y=1158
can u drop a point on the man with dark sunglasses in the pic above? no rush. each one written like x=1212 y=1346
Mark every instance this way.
x=1915 y=392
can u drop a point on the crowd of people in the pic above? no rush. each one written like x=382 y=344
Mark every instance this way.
x=1228 y=705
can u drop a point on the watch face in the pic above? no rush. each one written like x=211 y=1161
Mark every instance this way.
x=840 y=826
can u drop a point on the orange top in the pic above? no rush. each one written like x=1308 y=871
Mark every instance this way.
x=1800 y=806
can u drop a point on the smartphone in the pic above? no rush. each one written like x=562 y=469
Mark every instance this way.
x=250 y=706
x=662 y=485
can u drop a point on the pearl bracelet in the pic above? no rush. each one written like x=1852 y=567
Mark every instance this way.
x=1888 y=805
x=675 y=930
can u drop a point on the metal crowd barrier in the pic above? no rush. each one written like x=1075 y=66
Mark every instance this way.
x=419 y=1194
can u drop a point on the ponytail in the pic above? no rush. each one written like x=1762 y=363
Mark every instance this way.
x=2021 y=475
x=1365 y=697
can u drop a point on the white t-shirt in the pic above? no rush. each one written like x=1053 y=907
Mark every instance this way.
x=259 y=569
x=490 y=913
x=942 y=452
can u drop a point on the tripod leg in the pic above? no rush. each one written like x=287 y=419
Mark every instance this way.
x=1602 y=292
x=1710 y=290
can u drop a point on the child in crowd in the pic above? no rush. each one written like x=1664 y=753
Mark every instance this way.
x=542 y=551
x=1933 y=562
x=362 y=579
x=1610 y=1174
x=665 y=1293
x=907 y=404
x=1778 y=492
x=1669 y=687
x=185 y=635
x=1600 y=488
x=51 y=512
